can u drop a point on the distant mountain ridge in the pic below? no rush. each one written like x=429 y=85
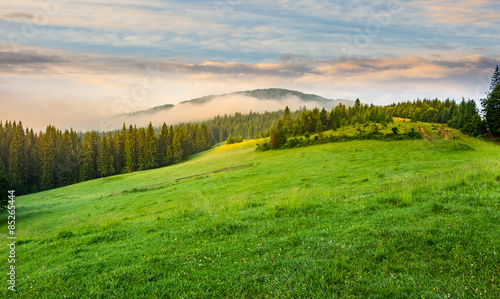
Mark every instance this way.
x=208 y=107
x=261 y=94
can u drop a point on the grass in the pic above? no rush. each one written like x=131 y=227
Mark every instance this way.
x=361 y=219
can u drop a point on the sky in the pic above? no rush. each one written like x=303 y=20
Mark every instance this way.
x=74 y=63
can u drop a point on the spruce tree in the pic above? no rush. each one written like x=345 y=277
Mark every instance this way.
x=177 y=149
x=287 y=120
x=170 y=149
x=278 y=135
x=119 y=144
x=32 y=163
x=491 y=108
x=17 y=159
x=141 y=145
x=88 y=164
x=150 y=148
x=131 y=149
x=205 y=139
x=66 y=161
x=47 y=156
x=161 y=147
x=4 y=187
x=495 y=80
x=105 y=161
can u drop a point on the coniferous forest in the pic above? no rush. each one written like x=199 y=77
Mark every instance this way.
x=32 y=162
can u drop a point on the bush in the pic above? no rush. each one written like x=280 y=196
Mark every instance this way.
x=263 y=147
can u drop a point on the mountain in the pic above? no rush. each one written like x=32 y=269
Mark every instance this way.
x=275 y=94
x=207 y=107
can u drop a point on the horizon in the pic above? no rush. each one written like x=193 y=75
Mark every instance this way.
x=74 y=64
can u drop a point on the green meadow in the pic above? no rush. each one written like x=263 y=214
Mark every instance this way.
x=357 y=219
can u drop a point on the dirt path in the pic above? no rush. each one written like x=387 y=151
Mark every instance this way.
x=444 y=132
x=426 y=136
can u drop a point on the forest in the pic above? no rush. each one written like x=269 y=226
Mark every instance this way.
x=32 y=162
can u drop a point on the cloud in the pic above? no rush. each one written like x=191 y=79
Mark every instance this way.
x=438 y=47
x=101 y=66
x=259 y=31
x=17 y=16
x=478 y=12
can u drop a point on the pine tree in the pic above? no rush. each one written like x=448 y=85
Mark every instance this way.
x=204 y=138
x=120 y=139
x=17 y=159
x=66 y=161
x=141 y=145
x=495 y=80
x=177 y=149
x=150 y=148
x=278 y=135
x=491 y=108
x=131 y=149
x=161 y=147
x=287 y=120
x=47 y=157
x=170 y=147
x=4 y=187
x=32 y=162
x=88 y=164
x=112 y=153
x=105 y=160
x=3 y=144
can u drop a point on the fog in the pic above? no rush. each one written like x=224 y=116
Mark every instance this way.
x=220 y=105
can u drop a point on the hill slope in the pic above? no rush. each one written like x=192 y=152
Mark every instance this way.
x=400 y=219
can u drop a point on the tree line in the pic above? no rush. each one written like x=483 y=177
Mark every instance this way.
x=32 y=162
x=464 y=116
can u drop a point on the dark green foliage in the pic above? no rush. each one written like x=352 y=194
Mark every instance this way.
x=395 y=130
x=263 y=146
x=88 y=156
x=131 y=149
x=278 y=135
x=463 y=116
x=47 y=158
x=4 y=187
x=491 y=108
x=67 y=160
x=33 y=162
x=232 y=140
x=17 y=159
x=495 y=80
x=105 y=158
x=322 y=139
x=149 y=148
x=252 y=125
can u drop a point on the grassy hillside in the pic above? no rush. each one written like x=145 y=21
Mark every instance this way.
x=352 y=219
